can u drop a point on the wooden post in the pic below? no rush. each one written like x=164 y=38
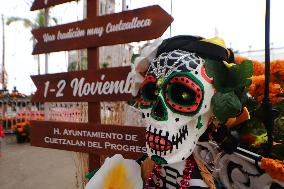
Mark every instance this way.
x=56 y=87
x=94 y=110
x=3 y=53
x=46 y=23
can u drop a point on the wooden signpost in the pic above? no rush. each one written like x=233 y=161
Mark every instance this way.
x=93 y=85
x=41 y=4
x=111 y=84
x=88 y=138
x=125 y=27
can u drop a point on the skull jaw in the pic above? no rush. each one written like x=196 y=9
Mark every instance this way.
x=179 y=149
x=177 y=157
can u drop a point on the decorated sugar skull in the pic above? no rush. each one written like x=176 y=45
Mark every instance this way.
x=175 y=101
x=179 y=85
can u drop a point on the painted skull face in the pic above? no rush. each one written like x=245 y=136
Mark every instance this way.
x=175 y=101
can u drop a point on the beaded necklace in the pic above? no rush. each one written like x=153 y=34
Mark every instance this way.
x=186 y=176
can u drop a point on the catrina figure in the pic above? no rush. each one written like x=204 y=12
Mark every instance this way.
x=183 y=86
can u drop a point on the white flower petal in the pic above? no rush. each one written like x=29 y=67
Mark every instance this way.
x=132 y=167
x=142 y=63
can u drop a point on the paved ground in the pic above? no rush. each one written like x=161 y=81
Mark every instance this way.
x=26 y=167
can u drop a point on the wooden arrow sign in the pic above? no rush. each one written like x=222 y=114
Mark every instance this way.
x=41 y=4
x=125 y=27
x=89 y=138
x=111 y=84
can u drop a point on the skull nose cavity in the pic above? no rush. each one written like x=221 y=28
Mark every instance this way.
x=159 y=111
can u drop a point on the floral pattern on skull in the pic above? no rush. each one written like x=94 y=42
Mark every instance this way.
x=175 y=102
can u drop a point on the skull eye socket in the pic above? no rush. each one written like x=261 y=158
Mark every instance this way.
x=148 y=92
x=184 y=94
x=181 y=94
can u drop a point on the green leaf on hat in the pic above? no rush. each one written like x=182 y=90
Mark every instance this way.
x=227 y=79
x=240 y=74
x=230 y=83
x=226 y=105
x=219 y=72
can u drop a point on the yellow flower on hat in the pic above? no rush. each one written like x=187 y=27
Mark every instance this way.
x=217 y=41
x=220 y=42
x=228 y=65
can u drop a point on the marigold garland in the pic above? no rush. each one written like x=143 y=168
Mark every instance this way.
x=274 y=168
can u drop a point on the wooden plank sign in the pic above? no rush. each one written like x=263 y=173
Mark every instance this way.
x=83 y=137
x=125 y=27
x=41 y=4
x=111 y=84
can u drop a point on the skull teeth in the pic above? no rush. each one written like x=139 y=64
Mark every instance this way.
x=159 y=142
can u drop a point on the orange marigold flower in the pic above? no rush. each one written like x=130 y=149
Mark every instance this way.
x=275 y=99
x=257 y=86
x=275 y=168
x=259 y=98
x=258 y=67
x=256 y=89
x=240 y=59
x=258 y=79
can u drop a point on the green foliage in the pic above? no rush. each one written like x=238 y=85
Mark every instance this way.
x=219 y=72
x=278 y=130
x=27 y=23
x=158 y=160
x=241 y=92
x=226 y=105
x=38 y=22
x=230 y=83
x=75 y=65
x=27 y=130
x=279 y=79
x=253 y=126
x=40 y=19
x=260 y=140
x=240 y=74
x=251 y=104
x=91 y=174
x=280 y=107
x=7 y=123
x=199 y=123
x=278 y=151
x=229 y=79
x=105 y=65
